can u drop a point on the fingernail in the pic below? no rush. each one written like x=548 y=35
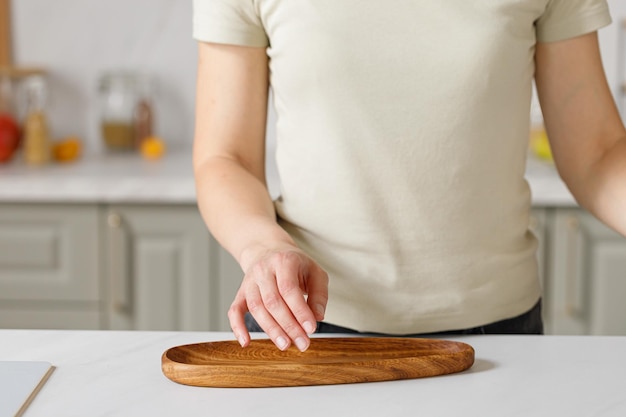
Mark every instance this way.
x=241 y=340
x=308 y=327
x=301 y=344
x=281 y=342
x=320 y=310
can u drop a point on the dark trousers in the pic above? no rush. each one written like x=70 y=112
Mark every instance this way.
x=527 y=323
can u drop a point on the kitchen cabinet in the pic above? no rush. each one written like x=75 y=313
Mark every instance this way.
x=538 y=226
x=49 y=261
x=582 y=266
x=582 y=269
x=152 y=266
x=230 y=276
x=112 y=266
x=159 y=268
x=587 y=273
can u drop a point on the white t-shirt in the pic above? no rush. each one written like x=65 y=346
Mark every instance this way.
x=402 y=130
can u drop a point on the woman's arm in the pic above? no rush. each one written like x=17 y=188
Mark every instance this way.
x=229 y=165
x=586 y=133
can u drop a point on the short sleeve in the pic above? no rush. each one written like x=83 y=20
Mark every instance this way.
x=233 y=22
x=564 y=19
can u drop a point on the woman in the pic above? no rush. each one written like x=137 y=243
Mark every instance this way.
x=401 y=144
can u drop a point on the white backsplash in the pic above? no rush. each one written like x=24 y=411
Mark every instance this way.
x=79 y=39
x=76 y=40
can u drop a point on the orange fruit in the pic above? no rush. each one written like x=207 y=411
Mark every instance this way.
x=152 y=147
x=67 y=150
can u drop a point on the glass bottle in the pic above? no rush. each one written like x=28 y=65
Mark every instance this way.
x=7 y=94
x=36 y=131
x=143 y=116
x=143 y=121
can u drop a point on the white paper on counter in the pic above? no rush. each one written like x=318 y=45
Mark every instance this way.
x=19 y=383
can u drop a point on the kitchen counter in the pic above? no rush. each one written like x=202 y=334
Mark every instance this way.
x=548 y=190
x=103 y=178
x=118 y=374
x=127 y=178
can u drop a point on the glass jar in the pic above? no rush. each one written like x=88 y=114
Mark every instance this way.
x=125 y=110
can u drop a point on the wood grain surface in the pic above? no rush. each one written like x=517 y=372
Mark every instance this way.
x=6 y=53
x=21 y=72
x=327 y=361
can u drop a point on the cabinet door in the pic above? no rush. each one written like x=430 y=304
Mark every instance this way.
x=230 y=276
x=588 y=276
x=539 y=227
x=158 y=267
x=49 y=266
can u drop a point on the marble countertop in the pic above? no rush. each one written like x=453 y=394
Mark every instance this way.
x=106 y=178
x=127 y=178
x=548 y=190
x=108 y=373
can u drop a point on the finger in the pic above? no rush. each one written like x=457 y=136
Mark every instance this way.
x=291 y=283
x=236 y=314
x=264 y=318
x=282 y=314
x=317 y=285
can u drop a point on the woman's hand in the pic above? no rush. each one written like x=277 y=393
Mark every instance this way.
x=284 y=289
x=286 y=292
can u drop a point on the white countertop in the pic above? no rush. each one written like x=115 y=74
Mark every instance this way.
x=547 y=187
x=118 y=374
x=127 y=178
x=110 y=178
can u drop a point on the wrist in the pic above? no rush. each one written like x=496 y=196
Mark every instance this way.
x=251 y=253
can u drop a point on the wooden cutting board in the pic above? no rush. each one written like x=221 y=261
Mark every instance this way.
x=6 y=54
x=327 y=361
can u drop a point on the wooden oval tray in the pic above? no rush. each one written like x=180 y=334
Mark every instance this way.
x=327 y=361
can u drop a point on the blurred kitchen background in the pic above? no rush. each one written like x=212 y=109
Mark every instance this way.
x=111 y=239
x=79 y=40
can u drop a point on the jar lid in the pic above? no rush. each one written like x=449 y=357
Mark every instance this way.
x=34 y=90
x=118 y=79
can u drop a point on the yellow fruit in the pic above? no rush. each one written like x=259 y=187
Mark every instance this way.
x=152 y=147
x=67 y=150
x=540 y=145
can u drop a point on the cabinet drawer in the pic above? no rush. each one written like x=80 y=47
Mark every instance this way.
x=50 y=317
x=49 y=252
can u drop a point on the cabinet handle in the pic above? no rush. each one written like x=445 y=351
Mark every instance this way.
x=118 y=265
x=114 y=220
x=572 y=308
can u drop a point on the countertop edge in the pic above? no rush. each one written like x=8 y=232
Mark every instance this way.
x=127 y=179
